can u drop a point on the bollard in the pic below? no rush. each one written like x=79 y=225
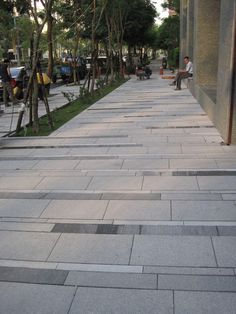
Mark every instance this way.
x=161 y=71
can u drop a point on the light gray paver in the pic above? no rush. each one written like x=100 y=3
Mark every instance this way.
x=189 y=270
x=56 y=164
x=145 y=164
x=170 y=183
x=187 y=302
x=191 y=196
x=32 y=246
x=19 y=183
x=20 y=298
x=121 y=301
x=100 y=268
x=203 y=210
x=115 y=183
x=192 y=164
x=22 y=207
x=112 y=280
x=225 y=250
x=75 y=209
x=197 y=283
x=17 y=226
x=173 y=251
x=217 y=183
x=138 y=210
x=86 y=248
x=64 y=183
x=100 y=164
x=17 y=164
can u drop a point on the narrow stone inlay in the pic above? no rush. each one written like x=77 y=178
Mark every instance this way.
x=180 y=127
x=71 y=146
x=138 y=229
x=33 y=275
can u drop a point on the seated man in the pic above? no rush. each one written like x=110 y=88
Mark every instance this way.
x=182 y=74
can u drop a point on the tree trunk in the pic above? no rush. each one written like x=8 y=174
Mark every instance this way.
x=50 y=45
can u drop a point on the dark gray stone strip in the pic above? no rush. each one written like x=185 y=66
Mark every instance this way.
x=63 y=157
x=32 y=275
x=131 y=196
x=80 y=196
x=107 y=229
x=166 y=115
x=70 y=146
x=180 y=127
x=205 y=173
x=75 y=228
x=22 y=195
x=180 y=230
x=227 y=231
x=197 y=283
x=135 y=229
x=118 y=108
x=60 y=137
x=73 y=196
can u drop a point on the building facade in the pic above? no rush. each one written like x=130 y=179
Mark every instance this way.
x=208 y=37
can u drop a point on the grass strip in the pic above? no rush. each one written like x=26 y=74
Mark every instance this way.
x=65 y=113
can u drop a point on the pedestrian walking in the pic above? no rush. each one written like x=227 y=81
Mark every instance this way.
x=6 y=82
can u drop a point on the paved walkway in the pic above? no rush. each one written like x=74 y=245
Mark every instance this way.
x=128 y=208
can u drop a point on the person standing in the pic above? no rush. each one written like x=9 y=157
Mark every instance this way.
x=182 y=74
x=6 y=83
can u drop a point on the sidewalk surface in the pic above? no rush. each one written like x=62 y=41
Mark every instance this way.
x=128 y=208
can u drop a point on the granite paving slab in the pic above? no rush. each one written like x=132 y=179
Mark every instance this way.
x=204 y=210
x=64 y=183
x=56 y=164
x=187 y=302
x=112 y=280
x=75 y=209
x=31 y=246
x=17 y=164
x=217 y=183
x=22 y=207
x=115 y=183
x=121 y=301
x=18 y=183
x=170 y=183
x=145 y=164
x=100 y=164
x=193 y=164
x=172 y=251
x=217 y=271
x=225 y=250
x=21 y=298
x=139 y=210
x=86 y=248
x=197 y=283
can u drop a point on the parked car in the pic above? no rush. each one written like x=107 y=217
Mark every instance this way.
x=19 y=81
x=101 y=64
x=65 y=70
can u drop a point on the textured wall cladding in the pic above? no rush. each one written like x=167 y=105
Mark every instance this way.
x=225 y=67
x=210 y=35
x=207 y=21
